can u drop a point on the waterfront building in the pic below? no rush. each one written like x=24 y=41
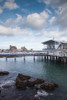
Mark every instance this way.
x=12 y=48
x=55 y=47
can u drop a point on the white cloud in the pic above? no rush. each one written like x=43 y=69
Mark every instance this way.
x=60 y=20
x=13 y=22
x=52 y=20
x=9 y=4
x=54 y=3
x=13 y=31
x=58 y=3
x=44 y=1
x=35 y=21
x=58 y=35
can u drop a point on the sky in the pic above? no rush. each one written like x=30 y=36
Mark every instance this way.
x=30 y=22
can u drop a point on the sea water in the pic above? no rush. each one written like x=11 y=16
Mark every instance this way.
x=50 y=71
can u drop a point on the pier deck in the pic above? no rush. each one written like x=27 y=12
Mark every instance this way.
x=56 y=58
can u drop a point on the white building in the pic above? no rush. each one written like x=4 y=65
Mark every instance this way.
x=55 y=47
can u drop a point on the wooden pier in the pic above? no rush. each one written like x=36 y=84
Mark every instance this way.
x=45 y=57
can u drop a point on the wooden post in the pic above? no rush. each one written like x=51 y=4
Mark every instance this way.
x=56 y=58
x=6 y=58
x=14 y=58
x=24 y=58
x=64 y=60
x=42 y=58
x=50 y=58
x=34 y=58
x=53 y=58
x=45 y=58
x=61 y=59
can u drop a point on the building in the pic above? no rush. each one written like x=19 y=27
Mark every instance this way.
x=13 y=48
x=55 y=47
x=51 y=44
x=24 y=49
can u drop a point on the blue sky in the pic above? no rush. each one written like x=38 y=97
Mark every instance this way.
x=30 y=22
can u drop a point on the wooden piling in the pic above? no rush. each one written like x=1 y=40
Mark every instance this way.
x=53 y=59
x=61 y=60
x=50 y=58
x=14 y=58
x=42 y=58
x=6 y=58
x=34 y=58
x=56 y=58
x=45 y=58
x=64 y=60
x=24 y=58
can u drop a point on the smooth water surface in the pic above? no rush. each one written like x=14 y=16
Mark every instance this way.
x=52 y=72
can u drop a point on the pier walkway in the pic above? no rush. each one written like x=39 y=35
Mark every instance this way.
x=45 y=56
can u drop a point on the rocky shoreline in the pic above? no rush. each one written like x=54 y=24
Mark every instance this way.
x=25 y=83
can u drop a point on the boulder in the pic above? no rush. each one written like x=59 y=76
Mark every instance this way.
x=39 y=81
x=48 y=86
x=23 y=81
x=0 y=91
x=23 y=77
x=7 y=86
x=20 y=83
x=35 y=82
x=4 y=72
x=30 y=83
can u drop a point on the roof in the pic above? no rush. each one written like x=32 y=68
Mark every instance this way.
x=64 y=43
x=50 y=42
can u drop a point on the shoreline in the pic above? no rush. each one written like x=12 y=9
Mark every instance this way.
x=10 y=91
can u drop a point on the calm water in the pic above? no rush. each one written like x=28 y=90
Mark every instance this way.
x=52 y=72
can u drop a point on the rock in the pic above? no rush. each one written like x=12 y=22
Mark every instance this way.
x=20 y=83
x=35 y=82
x=48 y=86
x=0 y=91
x=4 y=72
x=7 y=86
x=56 y=85
x=23 y=77
x=39 y=81
x=33 y=98
x=30 y=83
x=23 y=81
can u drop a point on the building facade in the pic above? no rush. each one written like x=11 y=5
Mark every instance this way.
x=55 y=47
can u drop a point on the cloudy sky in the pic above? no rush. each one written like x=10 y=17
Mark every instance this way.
x=30 y=22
